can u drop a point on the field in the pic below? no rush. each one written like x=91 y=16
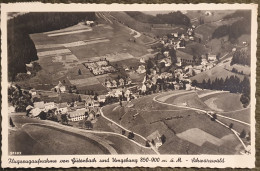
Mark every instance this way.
x=242 y=115
x=216 y=72
x=179 y=125
x=39 y=140
x=39 y=134
x=62 y=52
x=232 y=102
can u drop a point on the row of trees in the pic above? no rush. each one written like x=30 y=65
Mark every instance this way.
x=232 y=84
x=21 y=49
x=177 y=18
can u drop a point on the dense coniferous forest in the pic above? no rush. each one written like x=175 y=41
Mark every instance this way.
x=177 y=18
x=236 y=29
x=241 y=57
x=21 y=49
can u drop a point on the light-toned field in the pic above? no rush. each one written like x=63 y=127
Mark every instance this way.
x=224 y=101
x=199 y=137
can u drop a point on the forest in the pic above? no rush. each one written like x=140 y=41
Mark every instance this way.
x=176 y=18
x=21 y=49
x=241 y=57
x=236 y=29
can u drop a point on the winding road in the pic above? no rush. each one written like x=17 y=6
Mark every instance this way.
x=206 y=112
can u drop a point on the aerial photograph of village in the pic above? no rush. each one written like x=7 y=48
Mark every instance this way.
x=129 y=82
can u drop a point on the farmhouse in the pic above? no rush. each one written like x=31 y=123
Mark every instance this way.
x=155 y=138
x=142 y=60
x=212 y=57
x=141 y=69
x=102 y=98
x=114 y=83
x=60 y=88
x=108 y=84
x=121 y=81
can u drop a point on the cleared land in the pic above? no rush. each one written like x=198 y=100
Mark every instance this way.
x=61 y=53
x=148 y=116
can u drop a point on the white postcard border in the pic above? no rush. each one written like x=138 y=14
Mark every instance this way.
x=233 y=161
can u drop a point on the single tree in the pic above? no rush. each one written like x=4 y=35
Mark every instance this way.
x=242 y=134
x=79 y=72
x=231 y=125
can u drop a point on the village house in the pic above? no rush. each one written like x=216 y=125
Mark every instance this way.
x=89 y=23
x=62 y=108
x=114 y=83
x=102 y=98
x=143 y=89
x=212 y=57
x=77 y=115
x=49 y=106
x=166 y=54
x=108 y=84
x=33 y=92
x=60 y=88
x=121 y=82
x=209 y=66
x=166 y=61
x=141 y=69
x=35 y=111
x=204 y=61
x=89 y=102
x=128 y=81
x=142 y=60
x=127 y=94
x=155 y=138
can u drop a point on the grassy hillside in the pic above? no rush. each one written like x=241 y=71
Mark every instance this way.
x=216 y=72
x=177 y=124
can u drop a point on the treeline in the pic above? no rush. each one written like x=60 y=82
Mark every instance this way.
x=232 y=84
x=21 y=49
x=241 y=57
x=236 y=29
x=177 y=18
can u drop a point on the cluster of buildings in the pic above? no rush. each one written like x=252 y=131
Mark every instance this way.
x=121 y=82
x=178 y=40
x=100 y=67
x=74 y=111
